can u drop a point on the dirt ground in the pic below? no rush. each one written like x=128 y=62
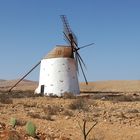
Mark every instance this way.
x=115 y=114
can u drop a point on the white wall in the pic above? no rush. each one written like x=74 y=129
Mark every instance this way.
x=58 y=75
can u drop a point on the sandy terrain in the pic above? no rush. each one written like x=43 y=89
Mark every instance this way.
x=113 y=105
x=24 y=85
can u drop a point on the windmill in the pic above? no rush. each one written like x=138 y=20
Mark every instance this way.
x=71 y=39
x=59 y=68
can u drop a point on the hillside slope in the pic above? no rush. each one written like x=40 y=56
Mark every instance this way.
x=104 y=86
x=23 y=85
x=113 y=86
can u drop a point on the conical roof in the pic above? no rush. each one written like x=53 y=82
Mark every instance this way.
x=60 y=51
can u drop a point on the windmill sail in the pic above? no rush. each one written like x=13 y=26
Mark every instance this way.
x=71 y=38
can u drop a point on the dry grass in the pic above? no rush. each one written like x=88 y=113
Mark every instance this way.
x=39 y=116
x=67 y=95
x=68 y=113
x=117 y=112
x=52 y=109
x=79 y=104
x=5 y=99
x=21 y=122
x=29 y=104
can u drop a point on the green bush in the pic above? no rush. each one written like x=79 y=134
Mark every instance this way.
x=31 y=129
x=13 y=122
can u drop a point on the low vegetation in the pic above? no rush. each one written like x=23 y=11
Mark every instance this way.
x=79 y=104
x=83 y=128
x=31 y=129
x=52 y=109
x=13 y=122
x=5 y=99
x=67 y=117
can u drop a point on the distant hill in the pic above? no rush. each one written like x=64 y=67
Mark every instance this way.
x=23 y=85
x=1 y=80
x=104 y=86
x=113 y=86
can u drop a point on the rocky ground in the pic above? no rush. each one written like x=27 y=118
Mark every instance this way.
x=114 y=116
x=117 y=116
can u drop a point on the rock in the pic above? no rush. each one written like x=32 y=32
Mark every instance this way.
x=67 y=117
x=2 y=126
x=10 y=134
x=103 y=98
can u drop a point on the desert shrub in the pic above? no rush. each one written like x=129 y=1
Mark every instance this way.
x=115 y=97
x=67 y=95
x=51 y=95
x=23 y=94
x=97 y=96
x=5 y=99
x=85 y=132
x=47 y=117
x=34 y=115
x=68 y=113
x=133 y=111
x=124 y=98
x=38 y=116
x=20 y=122
x=51 y=110
x=79 y=104
x=29 y=104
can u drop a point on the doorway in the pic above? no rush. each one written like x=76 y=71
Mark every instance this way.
x=42 y=89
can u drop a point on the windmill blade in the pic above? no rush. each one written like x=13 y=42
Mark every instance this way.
x=69 y=35
x=66 y=26
x=85 y=46
x=81 y=59
x=76 y=59
x=75 y=40
x=82 y=70
x=24 y=76
x=66 y=38
x=67 y=31
x=67 y=41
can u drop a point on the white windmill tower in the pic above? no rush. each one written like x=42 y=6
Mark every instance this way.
x=58 y=73
x=58 y=69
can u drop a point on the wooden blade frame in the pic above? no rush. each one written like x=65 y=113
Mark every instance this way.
x=82 y=70
x=85 y=46
x=72 y=39
x=68 y=34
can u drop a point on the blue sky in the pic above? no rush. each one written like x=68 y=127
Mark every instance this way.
x=29 y=29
